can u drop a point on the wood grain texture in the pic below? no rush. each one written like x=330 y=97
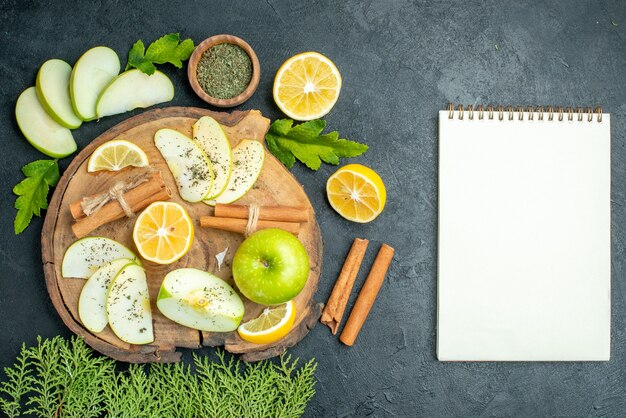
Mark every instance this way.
x=275 y=186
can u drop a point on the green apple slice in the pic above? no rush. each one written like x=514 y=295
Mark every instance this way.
x=128 y=306
x=93 y=297
x=200 y=300
x=189 y=165
x=40 y=129
x=87 y=255
x=133 y=89
x=248 y=157
x=93 y=71
x=53 y=91
x=210 y=136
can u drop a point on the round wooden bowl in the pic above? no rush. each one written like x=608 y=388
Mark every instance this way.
x=192 y=69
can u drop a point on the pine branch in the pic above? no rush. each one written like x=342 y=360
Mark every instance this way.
x=17 y=384
x=296 y=391
x=65 y=378
x=82 y=395
x=47 y=378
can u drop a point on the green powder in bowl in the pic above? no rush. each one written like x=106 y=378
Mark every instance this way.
x=224 y=71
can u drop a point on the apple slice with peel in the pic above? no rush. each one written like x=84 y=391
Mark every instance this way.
x=210 y=136
x=93 y=297
x=133 y=89
x=189 y=165
x=87 y=255
x=53 y=91
x=128 y=306
x=248 y=157
x=93 y=71
x=200 y=300
x=40 y=129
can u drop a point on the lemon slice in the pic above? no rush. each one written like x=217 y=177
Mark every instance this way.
x=307 y=86
x=116 y=155
x=163 y=232
x=357 y=193
x=273 y=324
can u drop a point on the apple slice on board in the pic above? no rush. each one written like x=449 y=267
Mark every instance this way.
x=40 y=129
x=133 y=89
x=87 y=255
x=93 y=297
x=210 y=136
x=248 y=157
x=188 y=164
x=128 y=306
x=200 y=300
x=93 y=71
x=53 y=91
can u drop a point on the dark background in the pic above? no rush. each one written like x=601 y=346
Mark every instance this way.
x=401 y=62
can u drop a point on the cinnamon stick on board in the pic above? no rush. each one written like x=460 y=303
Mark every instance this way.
x=154 y=185
x=239 y=225
x=266 y=213
x=336 y=305
x=138 y=198
x=367 y=295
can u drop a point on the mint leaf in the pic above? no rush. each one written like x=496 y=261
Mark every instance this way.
x=137 y=59
x=162 y=50
x=184 y=49
x=306 y=143
x=166 y=49
x=32 y=192
x=135 y=55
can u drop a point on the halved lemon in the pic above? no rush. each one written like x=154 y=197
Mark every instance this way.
x=357 y=193
x=273 y=324
x=163 y=232
x=307 y=86
x=116 y=155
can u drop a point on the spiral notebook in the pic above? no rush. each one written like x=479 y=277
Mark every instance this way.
x=524 y=267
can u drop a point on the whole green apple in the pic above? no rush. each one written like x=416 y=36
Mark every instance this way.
x=271 y=266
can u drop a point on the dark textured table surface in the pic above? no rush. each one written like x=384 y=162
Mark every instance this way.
x=401 y=62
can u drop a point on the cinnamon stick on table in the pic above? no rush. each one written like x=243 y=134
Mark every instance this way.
x=266 y=213
x=137 y=198
x=336 y=305
x=239 y=225
x=367 y=296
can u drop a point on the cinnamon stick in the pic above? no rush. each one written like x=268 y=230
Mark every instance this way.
x=154 y=185
x=239 y=225
x=138 y=198
x=367 y=295
x=266 y=213
x=336 y=305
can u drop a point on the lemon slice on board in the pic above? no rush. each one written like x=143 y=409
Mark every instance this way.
x=163 y=232
x=116 y=155
x=357 y=193
x=273 y=324
x=307 y=86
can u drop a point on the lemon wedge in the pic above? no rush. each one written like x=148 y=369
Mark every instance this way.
x=273 y=324
x=116 y=155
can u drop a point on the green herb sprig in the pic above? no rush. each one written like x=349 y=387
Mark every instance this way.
x=306 y=143
x=32 y=192
x=167 y=48
x=65 y=378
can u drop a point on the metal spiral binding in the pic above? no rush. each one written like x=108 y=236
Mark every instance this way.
x=510 y=111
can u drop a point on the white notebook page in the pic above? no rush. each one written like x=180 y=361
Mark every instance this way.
x=524 y=239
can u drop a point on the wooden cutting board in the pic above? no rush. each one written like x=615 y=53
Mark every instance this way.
x=275 y=186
